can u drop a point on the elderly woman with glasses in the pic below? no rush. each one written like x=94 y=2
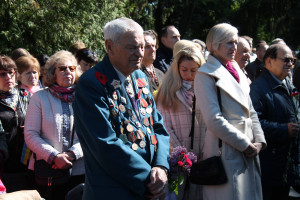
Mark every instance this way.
x=13 y=106
x=223 y=97
x=50 y=122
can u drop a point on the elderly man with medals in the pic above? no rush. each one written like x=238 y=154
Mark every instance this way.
x=125 y=144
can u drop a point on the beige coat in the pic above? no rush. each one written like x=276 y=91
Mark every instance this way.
x=178 y=124
x=237 y=127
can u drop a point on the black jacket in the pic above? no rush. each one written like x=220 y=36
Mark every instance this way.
x=13 y=122
x=163 y=59
x=275 y=108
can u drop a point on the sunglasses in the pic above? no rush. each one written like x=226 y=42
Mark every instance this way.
x=9 y=73
x=289 y=60
x=64 y=68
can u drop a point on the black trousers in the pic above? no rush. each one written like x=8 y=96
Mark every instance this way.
x=276 y=193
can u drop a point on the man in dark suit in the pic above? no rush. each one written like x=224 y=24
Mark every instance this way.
x=169 y=35
x=121 y=132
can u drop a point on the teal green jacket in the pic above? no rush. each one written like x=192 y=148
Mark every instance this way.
x=107 y=126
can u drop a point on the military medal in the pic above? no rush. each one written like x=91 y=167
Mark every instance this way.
x=115 y=96
x=116 y=84
x=132 y=137
x=138 y=124
x=145 y=91
x=139 y=134
x=153 y=140
x=140 y=82
x=146 y=121
x=123 y=137
x=133 y=118
x=144 y=103
x=139 y=94
x=145 y=82
x=142 y=144
x=129 y=112
x=149 y=110
x=149 y=130
x=134 y=146
x=143 y=111
x=113 y=113
x=123 y=100
x=151 y=120
x=122 y=130
x=129 y=128
x=126 y=122
x=122 y=108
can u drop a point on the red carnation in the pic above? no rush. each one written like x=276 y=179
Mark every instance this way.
x=189 y=162
x=295 y=93
x=180 y=163
x=25 y=93
x=101 y=77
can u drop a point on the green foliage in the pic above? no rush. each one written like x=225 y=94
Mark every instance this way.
x=46 y=26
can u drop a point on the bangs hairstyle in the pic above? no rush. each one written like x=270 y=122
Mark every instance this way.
x=59 y=57
x=114 y=29
x=87 y=55
x=6 y=63
x=154 y=36
x=172 y=82
x=26 y=62
x=218 y=34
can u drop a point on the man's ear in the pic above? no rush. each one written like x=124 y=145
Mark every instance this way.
x=268 y=63
x=109 y=45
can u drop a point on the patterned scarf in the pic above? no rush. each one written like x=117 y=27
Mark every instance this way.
x=187 y=90
x=232 y=71
x=10 y=98
x=64 y=94
x=32 y=90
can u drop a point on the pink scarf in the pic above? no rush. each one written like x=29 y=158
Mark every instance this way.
x=187 y=91
x=232 y=71
x=64 y=94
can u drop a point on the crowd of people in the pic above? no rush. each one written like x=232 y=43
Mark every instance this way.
x=115 y=122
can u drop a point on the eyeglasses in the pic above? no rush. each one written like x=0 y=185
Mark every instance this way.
x=9 y=73
x=289 y=60
x=64 y=68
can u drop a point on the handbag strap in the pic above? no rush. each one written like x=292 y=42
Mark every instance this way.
x=220 y=105
x=193 y=122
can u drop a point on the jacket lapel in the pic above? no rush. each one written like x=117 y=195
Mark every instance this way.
x=181 y=98
x=237 y=91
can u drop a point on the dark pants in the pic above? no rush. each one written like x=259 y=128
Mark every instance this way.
x=59 y=192
x=276 y=193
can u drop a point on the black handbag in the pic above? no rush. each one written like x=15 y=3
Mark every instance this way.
x=45 y=175
x=211 y=170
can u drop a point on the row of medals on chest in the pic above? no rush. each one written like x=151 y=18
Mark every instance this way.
x=143 y=110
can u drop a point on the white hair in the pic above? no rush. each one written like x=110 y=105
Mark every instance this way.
x=218 y=34
x=113 y=30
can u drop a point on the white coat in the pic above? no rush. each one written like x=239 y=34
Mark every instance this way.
x=237 y=126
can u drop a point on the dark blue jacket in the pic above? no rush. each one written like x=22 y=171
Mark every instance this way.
x=163 y=59
x=275 y=109
x=103 y=114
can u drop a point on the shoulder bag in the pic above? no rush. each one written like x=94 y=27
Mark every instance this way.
x=45 y=175
x=211 y=170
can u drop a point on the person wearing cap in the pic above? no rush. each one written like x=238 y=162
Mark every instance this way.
x=124 y=141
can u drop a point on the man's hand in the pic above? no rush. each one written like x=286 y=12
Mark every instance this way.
x=251 y=151
x=293 y=129
x=258 y=147
x=158 y=183
x=62 y=161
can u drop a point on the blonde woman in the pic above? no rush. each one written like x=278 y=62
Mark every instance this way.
x=236 y=123
x=175 y=100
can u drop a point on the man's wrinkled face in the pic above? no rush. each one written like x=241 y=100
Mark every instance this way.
x=128 y=52
x=242 y=55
